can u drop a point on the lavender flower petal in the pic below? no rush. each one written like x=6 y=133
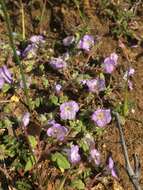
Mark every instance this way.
x=110 y=63
x=68 y=110
x=96 y=85
x=58 y=88
x=101 y=117
x=57 y=63
x=31 y=48
x=68 y=40
x=51 y=122
x=113 y=173
x=5 y=74
x=1 y=82
x=95 y=156
x=111 y=167
x=110 y=163
x=114 y=57
x=128 y=73
x=73 y=154
x=57 y=131
x=37 y=39
x=130 y=85
x=86 y=43
x=26 y=119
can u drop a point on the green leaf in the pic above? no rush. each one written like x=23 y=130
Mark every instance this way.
x=99 y=131
x=30 y=163
x=38 y=101
x=77 y=184
x=63 y=99
x=54 y=100
x=32 y=141
x=83 y=144
x=29 y=63
x=45 y=82
x=77 y=125
x=41 y=67
x=23 y=185
x=125 y=108
x=5 y=88
x=61 y=161
x=7 y=123
x=4 y=153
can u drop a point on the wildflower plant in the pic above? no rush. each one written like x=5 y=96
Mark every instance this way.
x=96 y=85
x=58 y=63
x=5 y=76
x=111 y=167
x=86 y=43
x=73 y=154
x=57 y=131
x=102 y=117
x=68 y=110
x=71 y=99
x=110 y=63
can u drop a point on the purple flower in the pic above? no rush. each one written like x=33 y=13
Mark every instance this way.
x=73 y=154
x=96 y=85
x=68 y=110
x=86 y=43
x=130 y=85
x=101 y=117
x=37 y=39
x=57 y=131
x=58 y=88
x=26 y=119
x=111 y=167
x=5 y=76
x=57 y=63
x=68 y=40
x=30 y=49
x=83 y=81
x=95 y=156
x=1 y=82
x=110 y=63
x=128 y=73
x=131 y=71
x=51 y=122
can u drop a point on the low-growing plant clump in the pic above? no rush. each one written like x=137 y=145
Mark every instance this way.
x=64 y=96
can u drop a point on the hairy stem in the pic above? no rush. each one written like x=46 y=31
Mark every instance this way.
x=16 y=58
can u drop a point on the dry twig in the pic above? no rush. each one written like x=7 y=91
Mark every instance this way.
x=134 y=174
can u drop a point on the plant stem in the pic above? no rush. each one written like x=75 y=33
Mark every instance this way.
x=80 y=13
x=23 y=20
x=125 y=108
x=61 y=186
x=42 y=15
x=16 y=58
x=133 y=174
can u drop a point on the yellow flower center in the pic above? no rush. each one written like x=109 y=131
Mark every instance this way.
x=100 y=116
